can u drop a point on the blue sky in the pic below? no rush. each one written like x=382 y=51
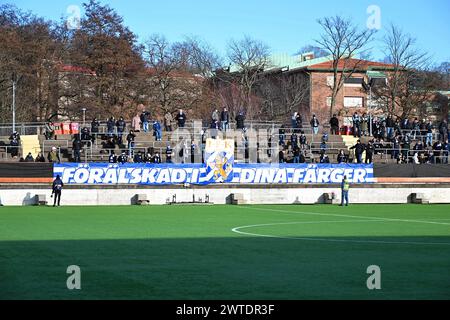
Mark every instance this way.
x=285 y=25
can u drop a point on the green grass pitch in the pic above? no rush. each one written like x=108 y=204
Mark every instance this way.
x=226 y=252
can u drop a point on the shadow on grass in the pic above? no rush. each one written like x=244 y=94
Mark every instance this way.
x=224 y=268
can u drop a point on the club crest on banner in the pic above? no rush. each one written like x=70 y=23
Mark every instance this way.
x=219 y=158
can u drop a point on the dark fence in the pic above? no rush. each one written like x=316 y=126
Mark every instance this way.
x=411 y=170
x=26 y=170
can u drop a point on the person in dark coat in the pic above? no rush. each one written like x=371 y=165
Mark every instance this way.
x=156 y=158
x=145 y=118
x=181 y=118
x=369 y=151
x=112 y=157
x=77 y=145
x=130 y=139
x=299 y=121
x=121 y=125
x=356 y=120
x=225 y=119
x=296 y=152
x=169 y=152
x=240 y=119
x=95 y=125
x=390 y=124
x=294 y=140
x=334 y=124
x=110 y=124
x=314 y=124
x=324 y=157
x=429 y=127
x=29 y=157
x=85 y=134
x=193 y=151
x=303 y=141
x=138 y=158
x=40 y=158
x=57 y=187
x=15 y=143
x=123 y=158
x=443 y=130
x=341 y=158
x=282 y=156
x=359 y=149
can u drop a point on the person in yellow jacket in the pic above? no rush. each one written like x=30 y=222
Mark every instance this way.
x=345 y=187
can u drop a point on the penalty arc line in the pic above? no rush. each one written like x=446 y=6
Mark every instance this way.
x=367 y=219
x=238 y=230
x=349 y=216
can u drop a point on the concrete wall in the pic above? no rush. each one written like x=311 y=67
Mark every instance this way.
x=83 y=197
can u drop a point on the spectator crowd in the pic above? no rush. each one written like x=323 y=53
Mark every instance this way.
x=404 y=140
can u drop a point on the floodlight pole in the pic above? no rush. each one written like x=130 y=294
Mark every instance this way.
x=14 y=105
x=370 y=109
x=84 y=116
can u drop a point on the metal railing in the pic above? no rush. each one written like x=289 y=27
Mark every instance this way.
x=27 y=128
x=392 y=155
x=38 y=128
x=47 y=145
x=32 y=128
x=6 y=152
x=273 y=128
x=54 y=143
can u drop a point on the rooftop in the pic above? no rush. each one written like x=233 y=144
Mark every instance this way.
x=351 y=63
x=306 y=61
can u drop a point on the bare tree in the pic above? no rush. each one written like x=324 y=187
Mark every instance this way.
x=417 y=92
x=202 y=59
x=342 y=40
x=250 y=57
x=283 y=93
x=27 y=52
x=172 y=85
x=443 y=71
x=408 y=83
x=107 y=47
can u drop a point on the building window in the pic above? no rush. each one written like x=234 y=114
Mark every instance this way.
x=352 y=102
x=353 y=82
x=328 y=101
x=330 y=80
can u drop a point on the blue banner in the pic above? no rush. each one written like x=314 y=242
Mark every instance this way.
x=201 y=174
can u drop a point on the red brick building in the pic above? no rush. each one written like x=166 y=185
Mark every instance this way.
x=355 y=94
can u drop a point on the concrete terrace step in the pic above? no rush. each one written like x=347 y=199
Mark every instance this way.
x=145 y=141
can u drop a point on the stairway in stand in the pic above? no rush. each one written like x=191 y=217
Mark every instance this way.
x=30 y=144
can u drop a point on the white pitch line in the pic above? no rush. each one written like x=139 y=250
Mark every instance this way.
x=348 y=216
x=237 y=230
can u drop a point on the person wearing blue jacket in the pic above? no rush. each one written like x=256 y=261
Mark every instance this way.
x=157 y=130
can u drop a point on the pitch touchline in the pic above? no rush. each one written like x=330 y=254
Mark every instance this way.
x=237 y=230
x=349 y=216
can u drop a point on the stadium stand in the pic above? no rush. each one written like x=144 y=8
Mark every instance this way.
x=34 y=140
